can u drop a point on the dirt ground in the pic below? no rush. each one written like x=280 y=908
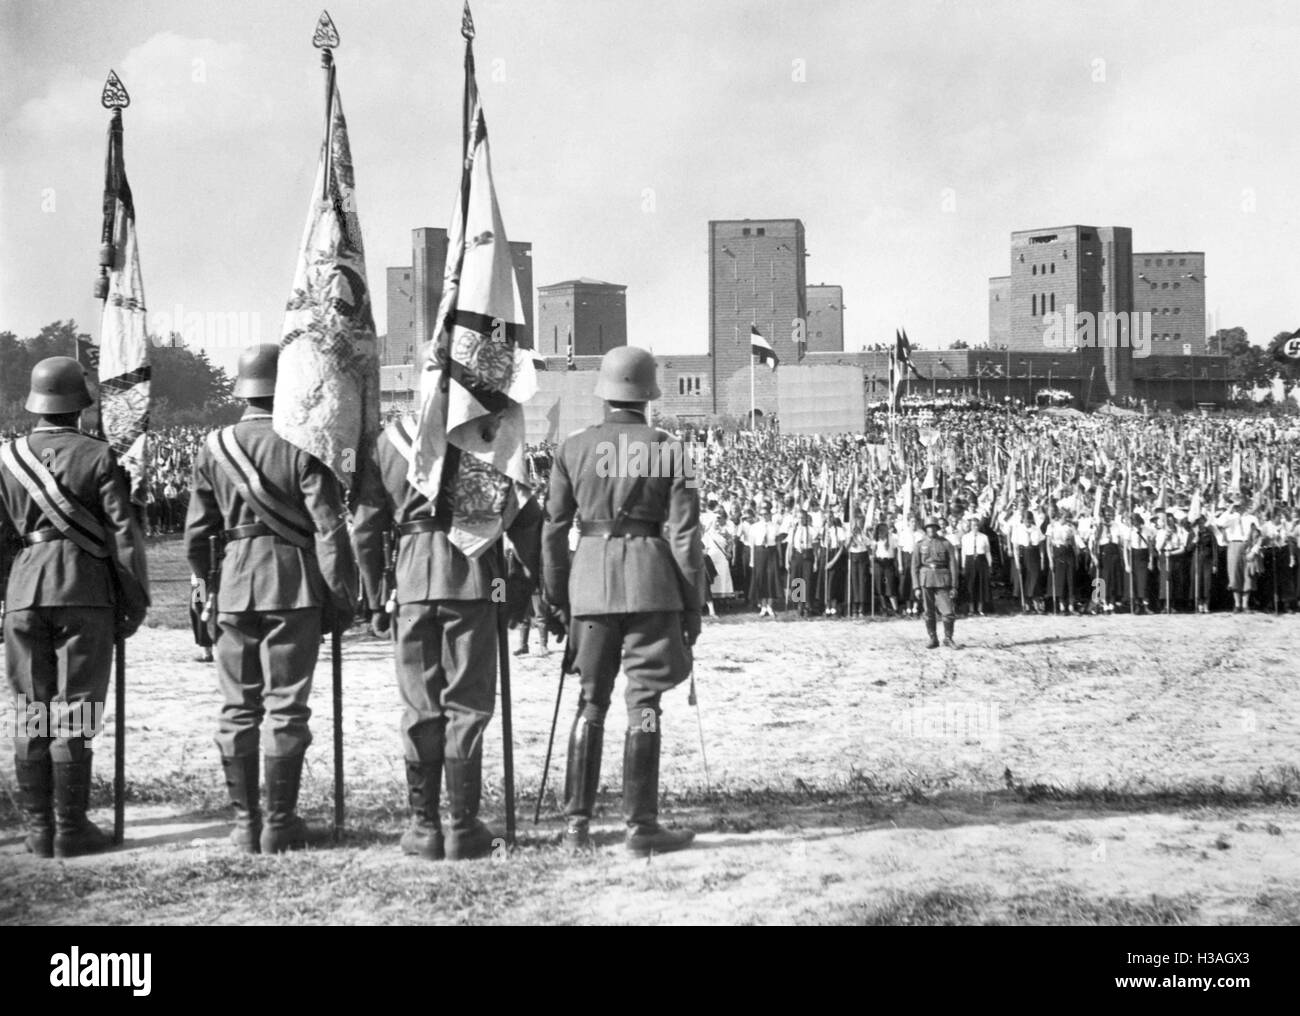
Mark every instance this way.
x=1075 y=770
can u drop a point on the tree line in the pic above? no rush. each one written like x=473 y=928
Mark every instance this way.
x=188 y=389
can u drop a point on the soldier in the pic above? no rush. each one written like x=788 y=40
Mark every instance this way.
x=71 y=589
x=287 y=575
x=934 y=576
x=446 y=618
x=633 y=594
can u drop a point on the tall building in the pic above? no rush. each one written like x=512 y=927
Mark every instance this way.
x=398 y=346
x=429 y=265
x=1170 y=286
x=1084 y=269
x=825 y=331
x=756 y=279
x=594 y=313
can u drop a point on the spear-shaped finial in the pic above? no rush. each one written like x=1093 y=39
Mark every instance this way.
x=467 y=23
x=326 y=36
x=114 y=95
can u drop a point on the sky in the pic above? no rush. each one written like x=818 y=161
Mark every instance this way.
x=911 y=139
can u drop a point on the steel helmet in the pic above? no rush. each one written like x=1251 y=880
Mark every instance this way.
x=932 y=523
x=627 y=374
x=257 y=372
x=58 y=386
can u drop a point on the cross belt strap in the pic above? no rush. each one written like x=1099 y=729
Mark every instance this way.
x=71 y=518
x=401 y=440
x=285 y=520
x=42 y=536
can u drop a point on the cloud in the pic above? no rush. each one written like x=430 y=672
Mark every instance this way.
x=174 y=82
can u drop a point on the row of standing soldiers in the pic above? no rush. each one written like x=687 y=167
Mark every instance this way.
x=269 y=524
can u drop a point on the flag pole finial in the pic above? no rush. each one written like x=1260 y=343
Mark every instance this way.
x=467 y=23
x=326 y=36
x=114 y=96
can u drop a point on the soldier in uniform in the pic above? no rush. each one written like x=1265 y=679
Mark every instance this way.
x=66 y=511
x=287 y=575
x=632 y=594
x=446 y=634
x=934 y=576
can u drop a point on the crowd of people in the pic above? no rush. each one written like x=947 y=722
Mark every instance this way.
x=1048 y=513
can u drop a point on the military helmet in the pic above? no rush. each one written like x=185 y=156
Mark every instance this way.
x=58 y=386
x=932 y=523
x=257 y=372
x=627 y=374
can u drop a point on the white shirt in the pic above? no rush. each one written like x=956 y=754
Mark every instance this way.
x=974 y=544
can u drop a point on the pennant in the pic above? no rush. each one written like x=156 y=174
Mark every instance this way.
x=327 y=382
x=761 y=348
x=123 y=355
x=469 y=449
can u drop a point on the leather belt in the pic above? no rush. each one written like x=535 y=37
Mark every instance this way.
x=249 y=531
x=628 y=527
x=42 y=536
x=425 y=525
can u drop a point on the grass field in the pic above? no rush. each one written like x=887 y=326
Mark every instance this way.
x=1084 y=770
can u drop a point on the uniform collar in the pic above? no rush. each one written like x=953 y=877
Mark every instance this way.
x=624 y=416
x=56 y=430
x=254 y=414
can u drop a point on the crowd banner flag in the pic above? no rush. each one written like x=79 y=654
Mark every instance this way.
x=327 y=383
x=761 y=348
x=469 y=446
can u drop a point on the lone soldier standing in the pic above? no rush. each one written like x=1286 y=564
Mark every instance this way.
x=64 y=502
x=633 y=594
x=934 y=576
x=445 y=614
x=287 y=575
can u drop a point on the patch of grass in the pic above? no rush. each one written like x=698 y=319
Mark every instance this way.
x=967 y=906
x=1279 y=906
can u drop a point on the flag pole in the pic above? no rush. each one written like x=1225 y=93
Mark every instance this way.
x=325 y=38
x=115 y=98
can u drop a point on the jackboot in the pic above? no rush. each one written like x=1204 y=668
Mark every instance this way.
x=423 y=837
x=522 y=648
x=245 y=794
x=35 y=797
x=948 y=627
x=283 y=829
x=645 y=836
x=74 y=834
x=469 y=838
x=932 y=630
x=581 y=782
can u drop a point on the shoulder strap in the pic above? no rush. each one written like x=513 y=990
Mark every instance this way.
x=285 y=520
x=629 y=502
x=402 y=441
x=65 y=513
